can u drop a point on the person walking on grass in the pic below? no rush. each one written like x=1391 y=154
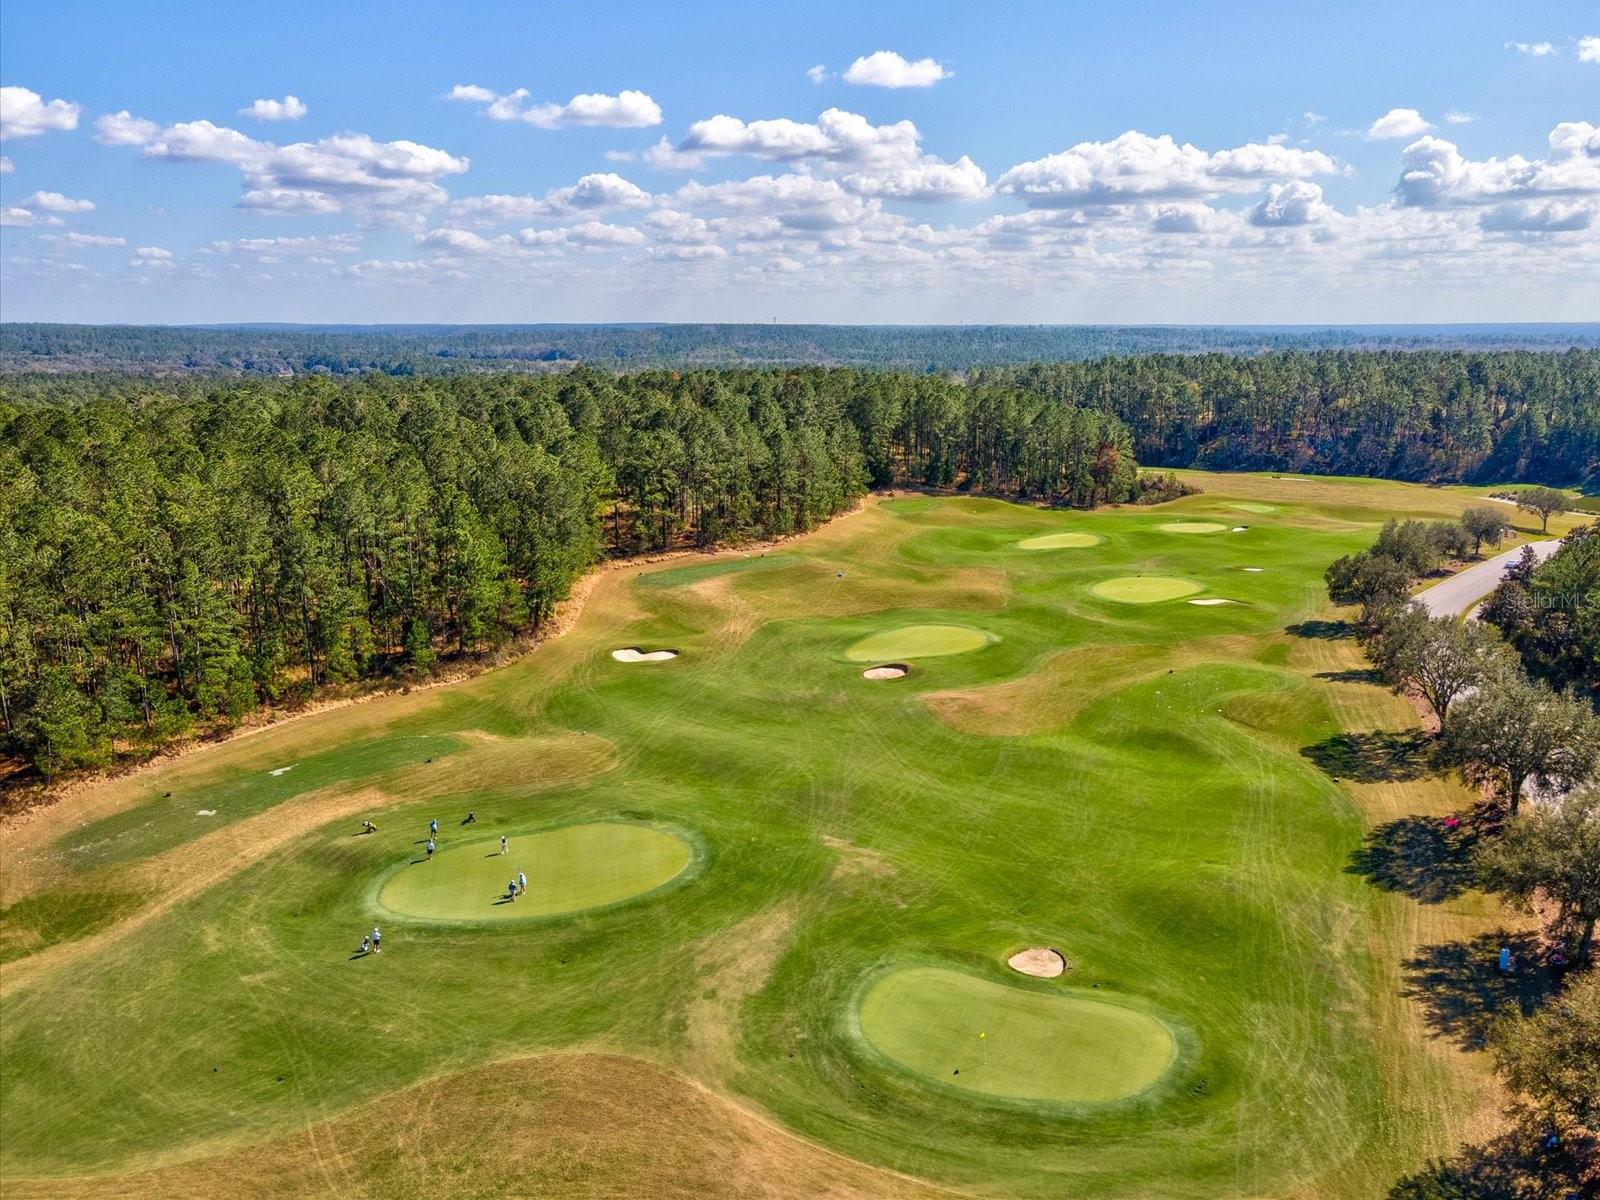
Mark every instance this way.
x=377 y=941
x=433 y=828
x=430 y=849
x=366 y=943
x=522 y=882
x=502 y=843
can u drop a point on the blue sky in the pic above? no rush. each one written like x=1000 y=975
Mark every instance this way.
x=1074 y=162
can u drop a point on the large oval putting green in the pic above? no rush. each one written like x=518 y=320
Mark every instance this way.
x=1194 y=527
x=1145 y=589
x=568 y=869
x=918 y=641
x=1064 y=1047
x=1060 y=541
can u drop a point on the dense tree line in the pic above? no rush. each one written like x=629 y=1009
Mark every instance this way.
x=453 y=349
x=1427 y=415
x=1506 y=730
x=1550 y=611
x=178 y=553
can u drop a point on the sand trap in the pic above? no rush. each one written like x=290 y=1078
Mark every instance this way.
x=281 y=770
x=1210 y=602
x=205 y=812
x=1253 y=570
x=632 y=654
x=887 y=671
x=1060 y=541
x=1145 y=589
x=1038 y=961
x=1193 y=527
x=1240 y=528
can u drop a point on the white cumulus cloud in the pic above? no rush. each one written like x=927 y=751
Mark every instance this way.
x=817 y=74
x=290 y=108
x=628 y=109
x=1589 y=49
x=25 y=113
x=1136 y=167
x=1398 y=123
x=1532 y=49
x=55 y=202
x=1296 y=202
x=886 y=69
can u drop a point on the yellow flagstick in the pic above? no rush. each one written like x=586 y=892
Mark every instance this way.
x=983 y=1045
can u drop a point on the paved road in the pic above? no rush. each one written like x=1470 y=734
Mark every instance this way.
x=1460 y=592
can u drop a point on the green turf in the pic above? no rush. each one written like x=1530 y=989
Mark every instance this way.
x=164 y=821
x=1059 y=541
x=1251 y=507
x=1161 y=818
x=682 y=576
x=1145 y=589
x=960 y=1031
x=918 y=641
x=1193 y=527
x=569 y=869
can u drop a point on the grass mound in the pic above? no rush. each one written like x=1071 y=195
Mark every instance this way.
x=1060 y=541
x=1145 y=589
x=919 y=641
x=569 y=869
x=1064 y=1048
x=1193 y=527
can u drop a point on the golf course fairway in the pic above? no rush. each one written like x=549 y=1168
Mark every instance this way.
x=1145 y=589
x=770 y=902
x=1059 y=541
x=569 y=869
x=969 y=1033
x=918 y=641
x=1193 y=527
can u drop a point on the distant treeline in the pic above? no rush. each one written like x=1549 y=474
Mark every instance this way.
x=176 y=552
x=1426 y=415
x=457 y=349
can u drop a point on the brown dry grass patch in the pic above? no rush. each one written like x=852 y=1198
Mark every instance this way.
x=578 y=1126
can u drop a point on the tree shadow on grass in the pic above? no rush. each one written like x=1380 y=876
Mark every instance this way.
x=1462 y=991
x=1354 y=675
x=1417 y=857
x=1514 y=1166
x=1382 y=756
x=1329 y=630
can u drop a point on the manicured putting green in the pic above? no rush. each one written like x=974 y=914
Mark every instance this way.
x=569 y=869
x=1251 y=507
x=1194 y=527
x=918 y=641
x=1060 y=541
x=1145 y=589
x=1064 y=1047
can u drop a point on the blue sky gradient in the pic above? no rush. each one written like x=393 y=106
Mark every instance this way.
x=1282 y=195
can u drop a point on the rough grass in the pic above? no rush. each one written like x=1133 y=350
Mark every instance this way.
x=1137 y=785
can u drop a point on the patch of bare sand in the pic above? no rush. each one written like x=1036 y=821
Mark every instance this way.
x=1050 y=697
x=1039 y=961
x=578 y=1126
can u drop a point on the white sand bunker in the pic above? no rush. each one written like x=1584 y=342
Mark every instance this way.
x=281 y=770
x=1240 y=528
x=632 y=654
x=1253 y=570
x=1211 y=602
x=1038 y=961
x=205 y=812
x=887 y=671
